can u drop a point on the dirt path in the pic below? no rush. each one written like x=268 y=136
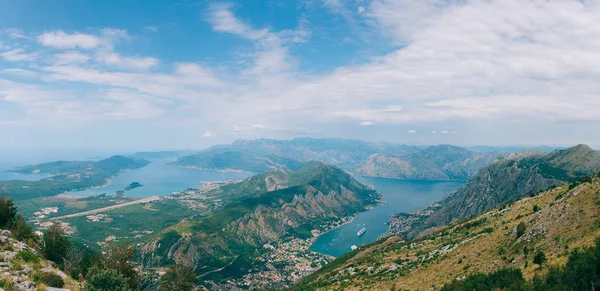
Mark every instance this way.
x=103 y=209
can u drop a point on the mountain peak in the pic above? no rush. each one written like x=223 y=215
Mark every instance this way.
x=577 y=158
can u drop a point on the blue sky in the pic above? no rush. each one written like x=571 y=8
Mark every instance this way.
x=189 y=74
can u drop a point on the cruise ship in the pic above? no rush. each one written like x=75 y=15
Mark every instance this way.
x=361 y=231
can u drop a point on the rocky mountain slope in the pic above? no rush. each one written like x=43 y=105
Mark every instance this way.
x=506 y=180
x=443 y=162
x=277 y=207
x=22 y=268
x=532 y=234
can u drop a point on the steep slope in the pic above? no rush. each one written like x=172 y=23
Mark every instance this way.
x=503 y=181
x=67 y=176
x=236 y=160
x=554 y=222
x=443 y=162
x=24 y=268
x=224 y=245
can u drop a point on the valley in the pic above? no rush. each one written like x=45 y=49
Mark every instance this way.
x=292 y=219
x=553 y=222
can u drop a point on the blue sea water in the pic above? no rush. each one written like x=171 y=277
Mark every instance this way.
x=161 y=179
x=400 y=195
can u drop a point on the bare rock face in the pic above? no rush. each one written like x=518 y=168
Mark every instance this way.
x=25 y=286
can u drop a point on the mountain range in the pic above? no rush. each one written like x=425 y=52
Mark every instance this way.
x=265 y=209
x=512 y=178
x=442 y=162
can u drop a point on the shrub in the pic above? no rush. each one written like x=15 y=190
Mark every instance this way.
x=8 y=213
x=521 y=227
x=536 y=208
x=501 y=279
x=28 y=257
x=539 y=258
x=23 y=231
x=56 y=245
x=51 y=279
x=99 y=280
x=178 y=278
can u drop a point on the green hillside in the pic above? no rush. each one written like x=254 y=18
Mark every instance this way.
x=67 y=176
x=534 y=236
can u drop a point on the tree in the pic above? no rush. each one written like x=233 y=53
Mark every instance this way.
x=99 y=279
x=56 y=246
x=8 y=213
x=536 y=208
x=23 y=232
x=539 y=258
x=178 y=278
x=521 y=227
x=118 y=258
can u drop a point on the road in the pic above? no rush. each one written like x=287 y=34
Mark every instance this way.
x=219 y=269
x=103 y=209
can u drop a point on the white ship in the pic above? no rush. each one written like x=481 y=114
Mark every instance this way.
x=353 y=247
x=361 y=231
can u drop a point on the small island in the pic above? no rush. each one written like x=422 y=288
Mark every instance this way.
x=133 y=185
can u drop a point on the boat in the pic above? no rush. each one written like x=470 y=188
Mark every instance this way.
x=353 y=247
x=361 y=231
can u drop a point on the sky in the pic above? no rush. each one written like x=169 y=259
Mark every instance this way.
x=152 y=75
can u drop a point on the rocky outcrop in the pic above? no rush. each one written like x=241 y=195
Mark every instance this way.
x=18 y=272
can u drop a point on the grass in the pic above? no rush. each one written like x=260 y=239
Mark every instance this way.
x=481 y=244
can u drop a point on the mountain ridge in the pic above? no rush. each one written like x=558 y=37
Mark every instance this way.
x=512 y=235
x=508 y=179
x=232 y=239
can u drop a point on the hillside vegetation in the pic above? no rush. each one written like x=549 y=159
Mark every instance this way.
x=532 y=235
x=67 y=176
x=236 y=160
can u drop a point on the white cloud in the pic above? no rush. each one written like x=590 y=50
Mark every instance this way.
x=223 y=20
x=360 y=10
x=259 y=126
x=19 y=55
x=133 y=63
x=444 y=131
x=15 y=33
x=209 y=133
x=21 y=72
x=151 y=28
x=70 y=57
x=527 y=63
x=60 y=39
x=412 y=131
x=271 y=56
x=433 y=131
